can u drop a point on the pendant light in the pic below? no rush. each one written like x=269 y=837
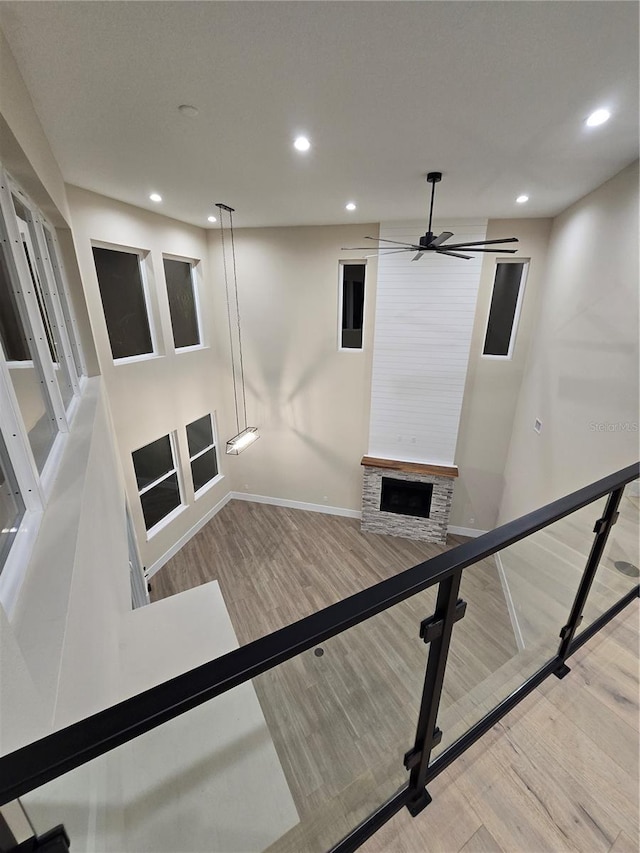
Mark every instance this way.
x=248 y=434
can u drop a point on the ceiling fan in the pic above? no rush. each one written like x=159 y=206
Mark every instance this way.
x=430 y=243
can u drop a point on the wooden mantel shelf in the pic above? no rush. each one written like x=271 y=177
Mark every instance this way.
x=410 y=467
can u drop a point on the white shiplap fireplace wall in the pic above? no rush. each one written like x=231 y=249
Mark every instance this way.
x=424 y=319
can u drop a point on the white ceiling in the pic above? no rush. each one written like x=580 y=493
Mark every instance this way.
x=494 y=94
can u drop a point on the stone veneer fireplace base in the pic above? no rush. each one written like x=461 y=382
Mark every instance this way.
x=431 y=529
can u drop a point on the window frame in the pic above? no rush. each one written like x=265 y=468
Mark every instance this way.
x=33 y=485
x=194 y=266
x=36 y=243
x=144 y=260
x=219 y=476
x=516 y=314
x=342 y=263
x=176 y=511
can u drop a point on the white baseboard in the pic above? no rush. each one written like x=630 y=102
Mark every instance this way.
x=513 y=616
x=328 y=510
x=466 y=531
x=159 y=563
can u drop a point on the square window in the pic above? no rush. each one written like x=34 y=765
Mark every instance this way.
x=183 y=306
x=123 y=302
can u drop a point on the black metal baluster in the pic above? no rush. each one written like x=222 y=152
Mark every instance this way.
x=602 y=529
x=437 y=632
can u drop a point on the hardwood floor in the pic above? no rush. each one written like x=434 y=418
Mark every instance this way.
x=560 y=773
x=340 y=721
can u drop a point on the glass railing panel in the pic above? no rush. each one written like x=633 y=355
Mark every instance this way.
x=517 y=602
x=291 y=761
x=618 y=570
x=342 y=716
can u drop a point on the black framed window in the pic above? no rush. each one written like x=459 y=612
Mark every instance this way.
x=352 y=305
x=202 y=451
x=183 y=303
x=123 y=302
x=157 y=479
x=508 y=289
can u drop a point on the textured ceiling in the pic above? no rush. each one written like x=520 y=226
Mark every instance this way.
x=494 y=94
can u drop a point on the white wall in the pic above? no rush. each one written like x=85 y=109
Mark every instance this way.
x=310 y=401
x=21 y=132
x=424 y=320
x=153 y=397
x=493 y=385
x=63 y=634
x=582 y=370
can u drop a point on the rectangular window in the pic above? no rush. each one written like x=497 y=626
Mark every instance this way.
x=11 y=505
x=157 y=480
x=124 y=302
x=65 y=302
x=506 y=301
x=351 y=305
x=26 y=227
x=24 y=367
x=202 y=452
x=183 y=303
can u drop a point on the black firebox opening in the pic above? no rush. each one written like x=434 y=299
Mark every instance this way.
x=406 y=497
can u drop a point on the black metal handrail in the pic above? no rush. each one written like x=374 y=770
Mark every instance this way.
x=58 y=753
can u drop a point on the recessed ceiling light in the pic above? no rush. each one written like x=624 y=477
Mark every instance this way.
x=302 y=143
x=351 y=205
x=598 y=117
x=211 y=219
x=188 y=110
x=155 y=197
x=522 y=199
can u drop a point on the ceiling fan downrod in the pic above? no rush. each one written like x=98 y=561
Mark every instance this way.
x=433 y=178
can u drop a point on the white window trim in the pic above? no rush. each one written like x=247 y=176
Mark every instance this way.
x=144 y=258
x=517 y=312
x=160 y=525
x=219 y=476
x=65 y=299
x=60 y=282
x=194 y=266
x=344 y=263
x=34 y=486
x=57 y=330
x=53 y=297
x=27 y=302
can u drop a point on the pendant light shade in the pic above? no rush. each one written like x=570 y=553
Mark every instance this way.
x=247 y=435
x=242 y=440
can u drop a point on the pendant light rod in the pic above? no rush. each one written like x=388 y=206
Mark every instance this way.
x=235 y=285
x=226 y=287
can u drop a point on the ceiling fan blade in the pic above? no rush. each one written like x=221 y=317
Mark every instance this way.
x=497 y=249
x=390 y=252
x=483 y=243
x=453 y=254
x=439 y=240
x=384 y=240
x=418 y=256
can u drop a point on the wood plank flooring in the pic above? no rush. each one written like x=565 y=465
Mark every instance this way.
x=341 y=722
x=560 y=773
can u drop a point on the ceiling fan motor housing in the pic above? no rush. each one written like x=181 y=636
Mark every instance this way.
x=425 y=240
